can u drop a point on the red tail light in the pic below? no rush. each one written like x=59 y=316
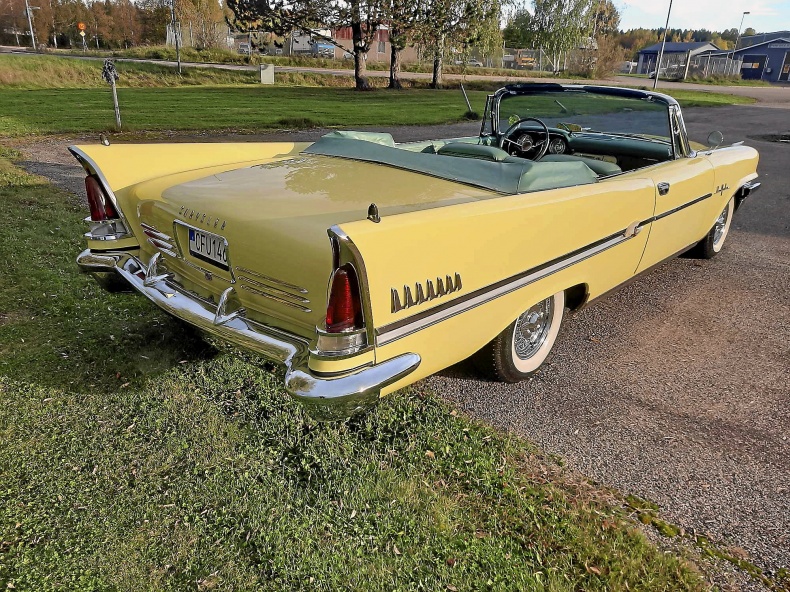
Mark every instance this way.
x=100 y=205
x=344 y=310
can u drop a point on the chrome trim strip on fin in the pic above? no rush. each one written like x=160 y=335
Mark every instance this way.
x=87 y=162
x=409 y=325
x=154 y=233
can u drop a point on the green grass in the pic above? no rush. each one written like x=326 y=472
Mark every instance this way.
x=45 y=95
x=245 y=108
x=711 y=80
x=44 y=111
x=726 y=81
x=136 y=456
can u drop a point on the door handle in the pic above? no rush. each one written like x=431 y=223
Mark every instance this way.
x=663 y=188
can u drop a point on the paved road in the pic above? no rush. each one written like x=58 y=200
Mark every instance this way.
x=677 y=388
x=768 y=96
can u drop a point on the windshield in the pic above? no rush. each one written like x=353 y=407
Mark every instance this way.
x=581 y=111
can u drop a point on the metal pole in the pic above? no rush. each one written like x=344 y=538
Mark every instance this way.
x=30 y=24
x=737 y=39
x=663 y=43
x=468 y=104
x=175 y=36
x=115 y=104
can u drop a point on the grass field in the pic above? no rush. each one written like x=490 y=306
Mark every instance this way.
x=136 y=456
x=220 y=56
x=41 y=95
x=710 y=81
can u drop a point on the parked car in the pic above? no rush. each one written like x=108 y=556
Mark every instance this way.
x=244 y=48
x=363 y=265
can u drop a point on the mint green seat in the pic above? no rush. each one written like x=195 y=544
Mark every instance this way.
x=464 y=150
x=599 y=167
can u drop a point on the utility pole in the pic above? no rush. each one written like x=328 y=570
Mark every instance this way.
x=30 y=24
x=663 y=43
x=737 y=39
x=175 y=33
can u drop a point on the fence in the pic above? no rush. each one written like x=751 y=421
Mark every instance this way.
x=705 y=66
x=679 y=66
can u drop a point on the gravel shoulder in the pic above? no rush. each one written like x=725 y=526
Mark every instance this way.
x=676 y=387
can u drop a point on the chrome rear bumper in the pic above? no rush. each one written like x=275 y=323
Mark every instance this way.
x=325 y=398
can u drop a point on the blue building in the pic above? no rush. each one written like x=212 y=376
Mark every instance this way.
x=767 y=60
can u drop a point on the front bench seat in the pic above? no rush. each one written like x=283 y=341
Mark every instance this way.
x=601 y=168
x=479 y=151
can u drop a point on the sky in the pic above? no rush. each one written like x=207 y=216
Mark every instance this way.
x=714 y=15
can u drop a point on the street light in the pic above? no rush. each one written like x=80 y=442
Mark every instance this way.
x=28 y=8
x=738 y=38
x=176 y=34
x=663 y=43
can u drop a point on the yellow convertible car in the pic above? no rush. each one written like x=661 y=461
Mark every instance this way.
x=363 y=265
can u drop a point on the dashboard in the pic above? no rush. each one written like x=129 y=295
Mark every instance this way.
x=527 y=141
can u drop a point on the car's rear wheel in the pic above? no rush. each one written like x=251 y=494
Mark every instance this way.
x=525 y=345
x=710 y=246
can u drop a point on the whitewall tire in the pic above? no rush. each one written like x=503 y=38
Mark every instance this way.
x=526 y=344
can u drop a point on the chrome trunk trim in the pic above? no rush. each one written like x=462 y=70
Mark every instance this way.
x=272 y=290
x=274 y=297
x=271 y=280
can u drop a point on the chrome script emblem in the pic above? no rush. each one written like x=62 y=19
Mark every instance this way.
x=722 y=188
x=421 y=294
x=201 y=217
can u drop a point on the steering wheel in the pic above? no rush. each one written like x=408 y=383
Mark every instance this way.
x=544 y=145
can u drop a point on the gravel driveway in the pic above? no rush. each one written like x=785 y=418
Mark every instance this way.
x=675 y=388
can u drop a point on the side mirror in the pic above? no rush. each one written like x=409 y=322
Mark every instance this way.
x=715 y=139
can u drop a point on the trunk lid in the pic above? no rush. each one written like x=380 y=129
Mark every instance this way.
x=274 y=218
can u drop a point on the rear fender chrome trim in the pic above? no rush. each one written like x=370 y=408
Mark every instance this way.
x=340 y=241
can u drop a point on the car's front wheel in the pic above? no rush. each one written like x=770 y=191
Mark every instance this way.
x=709 y=246
x=524 y=346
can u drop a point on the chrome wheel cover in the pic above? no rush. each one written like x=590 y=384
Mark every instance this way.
x=720 y=225
x=532 y=328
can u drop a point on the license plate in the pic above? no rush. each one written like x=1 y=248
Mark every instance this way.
x=208 y=247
